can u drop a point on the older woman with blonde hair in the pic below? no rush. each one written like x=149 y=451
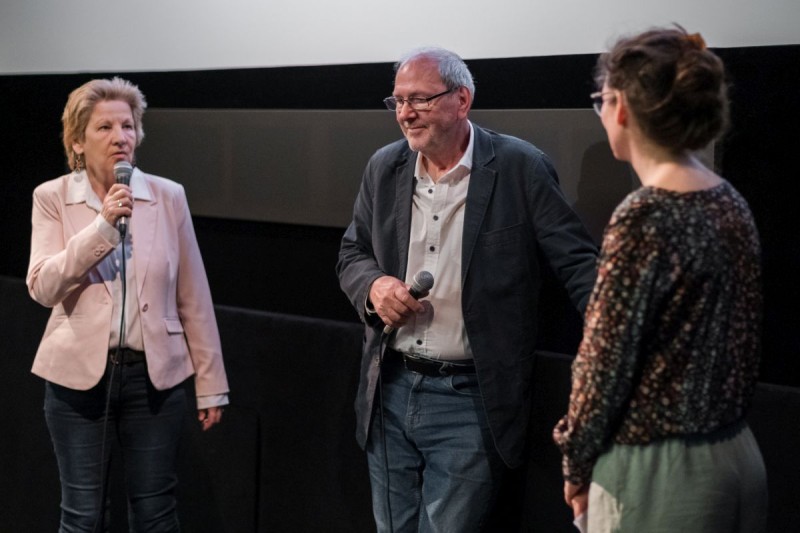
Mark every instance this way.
x=132 y=316
x=655 y=438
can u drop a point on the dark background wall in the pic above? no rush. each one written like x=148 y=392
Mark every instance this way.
x=284 y=460
x=290 y=268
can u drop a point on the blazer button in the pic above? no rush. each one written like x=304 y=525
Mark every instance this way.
x=145 y=307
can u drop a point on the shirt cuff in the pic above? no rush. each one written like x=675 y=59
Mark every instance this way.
x=108 y=231
x=369 y=307
x=214 y=400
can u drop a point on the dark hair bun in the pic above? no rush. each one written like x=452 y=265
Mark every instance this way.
x=674 y=85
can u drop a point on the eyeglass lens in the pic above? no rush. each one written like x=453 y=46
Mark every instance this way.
x=417 y=103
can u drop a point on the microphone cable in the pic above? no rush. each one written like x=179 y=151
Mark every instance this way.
x=104 y=471
x=382 y=346
x=420 y=288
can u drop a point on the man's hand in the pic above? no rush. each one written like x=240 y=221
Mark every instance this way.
x=392 y=301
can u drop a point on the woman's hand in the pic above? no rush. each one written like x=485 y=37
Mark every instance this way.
x=577 y=497
x=209 y=417
x=117 y=203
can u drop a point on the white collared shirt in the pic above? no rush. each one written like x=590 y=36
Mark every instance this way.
x=437 y=227
x=110 y=267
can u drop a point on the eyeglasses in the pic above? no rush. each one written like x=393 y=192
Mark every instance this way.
x=417 y=103
x=597 y=100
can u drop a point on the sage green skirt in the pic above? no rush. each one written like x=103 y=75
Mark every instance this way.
x=711 y=484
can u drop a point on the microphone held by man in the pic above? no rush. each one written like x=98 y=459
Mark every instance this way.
x=420 y=287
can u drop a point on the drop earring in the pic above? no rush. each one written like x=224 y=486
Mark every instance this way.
x=78 y=162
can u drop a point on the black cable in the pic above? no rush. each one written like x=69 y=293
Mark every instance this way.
x=104 y=471
x=384 y=338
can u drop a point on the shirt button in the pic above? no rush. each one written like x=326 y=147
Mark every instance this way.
x=435 y=217
x=432 y=248
x=419 y=342
x=430 y=191
x=145 y=307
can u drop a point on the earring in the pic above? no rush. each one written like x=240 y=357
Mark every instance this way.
x=78 y=162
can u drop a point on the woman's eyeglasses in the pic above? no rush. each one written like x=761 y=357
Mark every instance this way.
x=598 y=101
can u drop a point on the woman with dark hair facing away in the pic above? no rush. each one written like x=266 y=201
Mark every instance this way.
x=655 y=437
x=114 y=254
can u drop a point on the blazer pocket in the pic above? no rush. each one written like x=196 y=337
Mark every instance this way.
x=501 y=261
x=174 y=326
x=510 y=235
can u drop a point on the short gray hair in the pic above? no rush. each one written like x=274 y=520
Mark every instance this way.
x=452 y=69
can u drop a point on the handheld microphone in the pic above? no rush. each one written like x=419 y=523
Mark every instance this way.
x=420 y=287
x=122 y=173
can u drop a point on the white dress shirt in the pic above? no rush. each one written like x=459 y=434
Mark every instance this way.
x=437 y=224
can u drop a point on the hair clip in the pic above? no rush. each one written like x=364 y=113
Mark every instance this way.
x=697 y=40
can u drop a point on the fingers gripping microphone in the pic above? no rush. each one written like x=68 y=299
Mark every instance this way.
x=420 y=287
x=122 y=173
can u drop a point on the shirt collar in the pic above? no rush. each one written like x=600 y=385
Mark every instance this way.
x=80 y=189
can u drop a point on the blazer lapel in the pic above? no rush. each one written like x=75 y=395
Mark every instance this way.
x=481 y=184
x=404 y=189
x=144 y=222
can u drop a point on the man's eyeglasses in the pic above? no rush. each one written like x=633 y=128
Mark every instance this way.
x=417 y=103
x=597 y=100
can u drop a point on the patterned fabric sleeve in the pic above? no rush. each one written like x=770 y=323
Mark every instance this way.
x=608 y=359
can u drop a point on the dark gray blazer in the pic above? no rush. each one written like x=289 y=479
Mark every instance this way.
x=515 y=213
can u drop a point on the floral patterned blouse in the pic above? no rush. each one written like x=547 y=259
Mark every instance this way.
x=672 y=332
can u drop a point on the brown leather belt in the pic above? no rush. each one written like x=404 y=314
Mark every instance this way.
x=431 y=367
x=125 y=356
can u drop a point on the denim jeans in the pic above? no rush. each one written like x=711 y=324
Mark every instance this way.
x=443 y=469
x=147 y=424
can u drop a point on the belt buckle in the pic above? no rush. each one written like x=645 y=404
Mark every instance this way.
x=413 y=360
x=442 y=368
x=405 y=358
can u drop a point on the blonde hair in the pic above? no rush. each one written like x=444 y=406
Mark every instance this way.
x=81 y=103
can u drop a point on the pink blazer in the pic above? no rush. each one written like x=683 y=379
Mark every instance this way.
x=179 y=327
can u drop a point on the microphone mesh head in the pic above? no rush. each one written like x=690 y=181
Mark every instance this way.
x=423 y=281
x=122 y=172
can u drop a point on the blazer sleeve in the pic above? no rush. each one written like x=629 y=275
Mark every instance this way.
x=568 y=247
x=196 y=309
x=58 y=265
x=357 y=267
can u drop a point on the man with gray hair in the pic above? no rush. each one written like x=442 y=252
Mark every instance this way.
x=444 y=396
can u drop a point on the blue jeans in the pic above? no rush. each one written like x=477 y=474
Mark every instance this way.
x=443 y=468
x=147 y=424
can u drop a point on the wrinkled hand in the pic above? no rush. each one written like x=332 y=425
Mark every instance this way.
x=577 y=497
x=392 y=301
x=209 y=417
x=117 y=203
